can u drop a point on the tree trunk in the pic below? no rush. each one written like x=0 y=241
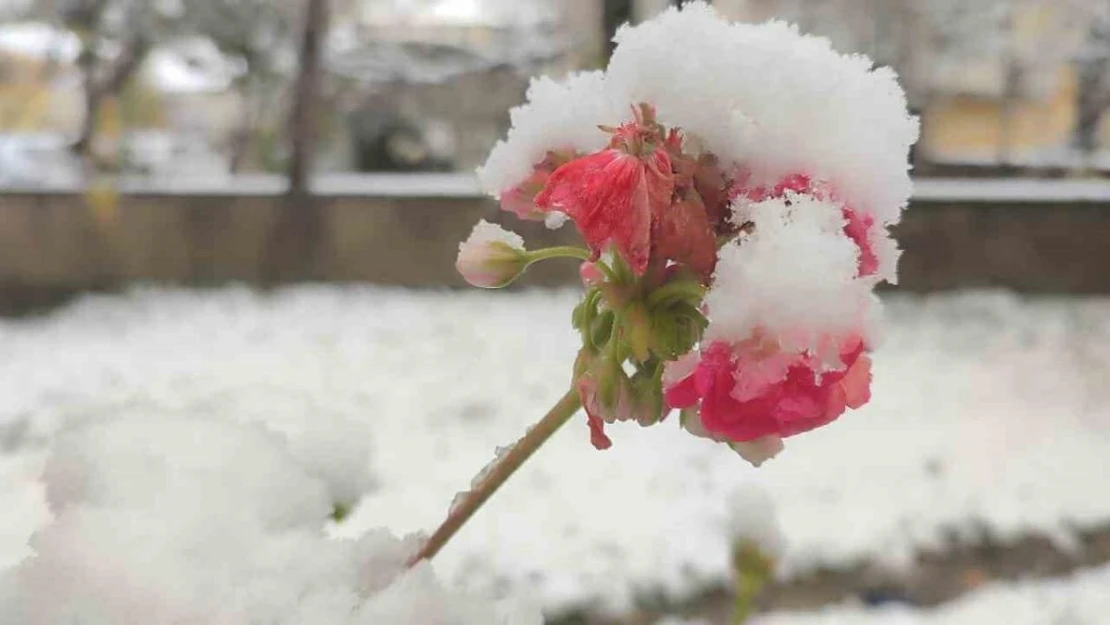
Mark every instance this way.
x=97 y=87
x=291 y=250
x=306 y=95
x=1093 y=89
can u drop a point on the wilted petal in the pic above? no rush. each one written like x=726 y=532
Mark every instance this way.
x=606 y=195
x=758 y=451
x=682 y=234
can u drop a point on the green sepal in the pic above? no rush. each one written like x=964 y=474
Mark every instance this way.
x=638 y=331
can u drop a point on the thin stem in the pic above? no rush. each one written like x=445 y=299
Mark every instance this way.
x=753 y=570
x=605 y=269
x=746 y=591
x=496 y=474
x=562 y=251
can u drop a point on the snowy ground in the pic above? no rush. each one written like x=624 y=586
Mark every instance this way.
x=1079 y=599
x=990 y=413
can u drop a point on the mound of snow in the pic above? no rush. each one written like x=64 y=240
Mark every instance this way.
x=176 y=521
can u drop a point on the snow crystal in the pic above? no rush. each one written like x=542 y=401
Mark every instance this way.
x=793 y=277
x=763 y=98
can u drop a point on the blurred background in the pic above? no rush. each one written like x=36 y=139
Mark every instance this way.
x=300 y=108
x=250 y=209
x=209 y=87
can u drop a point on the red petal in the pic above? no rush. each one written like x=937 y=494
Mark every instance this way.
x=857 y=228
x=597 y=433
x=607 y=196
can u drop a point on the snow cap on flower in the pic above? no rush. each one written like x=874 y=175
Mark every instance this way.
x=491 y=257
x=750 y=159
x=747 y=93
x=794 y=278
x=558 y=115
x=790 y=317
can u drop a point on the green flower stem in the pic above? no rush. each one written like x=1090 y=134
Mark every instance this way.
x=605 y=269
x=495 y=475
x=753 y=570
x=562 y=251
x=747 y=589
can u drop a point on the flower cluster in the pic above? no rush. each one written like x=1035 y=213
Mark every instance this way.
x=734 y=186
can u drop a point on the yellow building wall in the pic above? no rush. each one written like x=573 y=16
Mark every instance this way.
x=966 y=125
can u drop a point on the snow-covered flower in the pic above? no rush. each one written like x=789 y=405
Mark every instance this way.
x=734 y=184
x=857 y=224
x=791 y=317
x=491 y=257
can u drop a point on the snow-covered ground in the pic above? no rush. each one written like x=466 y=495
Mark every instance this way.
x=990 y=412
x=1079 y=599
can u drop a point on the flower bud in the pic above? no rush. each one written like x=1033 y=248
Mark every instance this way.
x=492 y=257
x=591 y=275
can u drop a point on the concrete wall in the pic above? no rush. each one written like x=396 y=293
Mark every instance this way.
x=1037 y=237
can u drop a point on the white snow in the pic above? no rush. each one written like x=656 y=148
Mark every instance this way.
x=190 y=66
x=990 y=413
x=485 y=232
x=794 y=278
x=189 y=520
x=39 y=40
x=490 y=13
